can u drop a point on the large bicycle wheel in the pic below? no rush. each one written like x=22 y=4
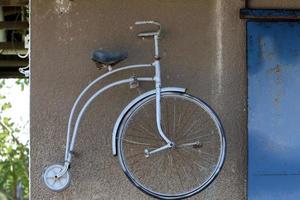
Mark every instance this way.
x=190 y=165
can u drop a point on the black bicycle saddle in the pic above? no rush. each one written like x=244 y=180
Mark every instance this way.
x=108 y=58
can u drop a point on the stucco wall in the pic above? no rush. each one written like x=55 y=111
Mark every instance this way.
x=203 y=49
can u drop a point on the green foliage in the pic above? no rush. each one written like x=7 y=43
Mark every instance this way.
x=2 y=196
x=14 y=156
x=2 y=83
x=22 y=83
x=6 y=106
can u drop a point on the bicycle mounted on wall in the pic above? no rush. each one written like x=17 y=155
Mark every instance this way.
x=170 y=144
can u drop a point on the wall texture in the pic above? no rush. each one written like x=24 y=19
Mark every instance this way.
x=203 y=49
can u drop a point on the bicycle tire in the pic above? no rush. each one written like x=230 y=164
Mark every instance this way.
x=175 y=173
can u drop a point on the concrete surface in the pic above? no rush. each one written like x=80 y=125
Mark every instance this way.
x=203 y=49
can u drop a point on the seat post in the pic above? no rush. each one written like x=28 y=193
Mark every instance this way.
x=156 y=46
x=101 y=66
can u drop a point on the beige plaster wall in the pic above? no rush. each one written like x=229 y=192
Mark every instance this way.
x=203 y=49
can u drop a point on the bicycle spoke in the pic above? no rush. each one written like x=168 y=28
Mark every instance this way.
x=186 y=133
x=136 y=163
x=155 y=167
x=143 y=137
x=200 y=151
x=146 y=176
x=138 y=143
x=174 y=119
x=134 y=155
x=196 y=138
x=183 y=163
x=177 y=172
x=194 y=162
x=146 y=113
x=188 y=161
x=189 y=130
x=144 y=169
x=208 y=161
x=147 y=130
x=184 y=170
x=187 y=119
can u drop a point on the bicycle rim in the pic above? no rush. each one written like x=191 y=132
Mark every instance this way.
x=184 y=170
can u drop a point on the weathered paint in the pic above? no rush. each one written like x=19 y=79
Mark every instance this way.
x=273 y=117
x=63 y=6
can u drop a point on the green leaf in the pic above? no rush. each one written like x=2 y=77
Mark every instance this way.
x=26 y=81
x=6 y=106
x=23 y=82
x=6 y=121
x=2 y=83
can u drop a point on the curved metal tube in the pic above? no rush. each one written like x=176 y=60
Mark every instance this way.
x=158 y=91
x=86 y=89
x=88 y=102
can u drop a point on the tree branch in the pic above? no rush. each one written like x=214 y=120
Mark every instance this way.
x=11 y=133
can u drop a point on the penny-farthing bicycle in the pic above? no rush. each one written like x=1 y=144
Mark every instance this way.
x=170 y=144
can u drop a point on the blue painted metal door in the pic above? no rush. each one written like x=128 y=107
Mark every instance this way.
x=274 y=110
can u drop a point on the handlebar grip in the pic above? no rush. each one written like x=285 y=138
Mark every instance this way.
x=147 y=22
x=147 y=34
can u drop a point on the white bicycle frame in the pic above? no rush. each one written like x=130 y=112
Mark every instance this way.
x=70 y=143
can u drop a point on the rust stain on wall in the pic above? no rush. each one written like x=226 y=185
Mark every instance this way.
x=266 y=54
x=276 y=71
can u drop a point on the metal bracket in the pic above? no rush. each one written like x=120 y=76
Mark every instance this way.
x=135 y=83
x=25 y=71
x=102 y=66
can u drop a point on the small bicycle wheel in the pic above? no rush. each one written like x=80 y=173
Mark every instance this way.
x=190 y=165
x=52 y=181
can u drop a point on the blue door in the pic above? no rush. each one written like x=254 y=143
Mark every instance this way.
x=274 y=110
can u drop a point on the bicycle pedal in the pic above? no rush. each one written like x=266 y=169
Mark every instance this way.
x=198 y=146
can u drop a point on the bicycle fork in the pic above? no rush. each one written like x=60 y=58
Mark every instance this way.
x=157 y=79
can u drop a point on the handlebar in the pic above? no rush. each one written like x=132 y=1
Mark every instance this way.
x=151 y=33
